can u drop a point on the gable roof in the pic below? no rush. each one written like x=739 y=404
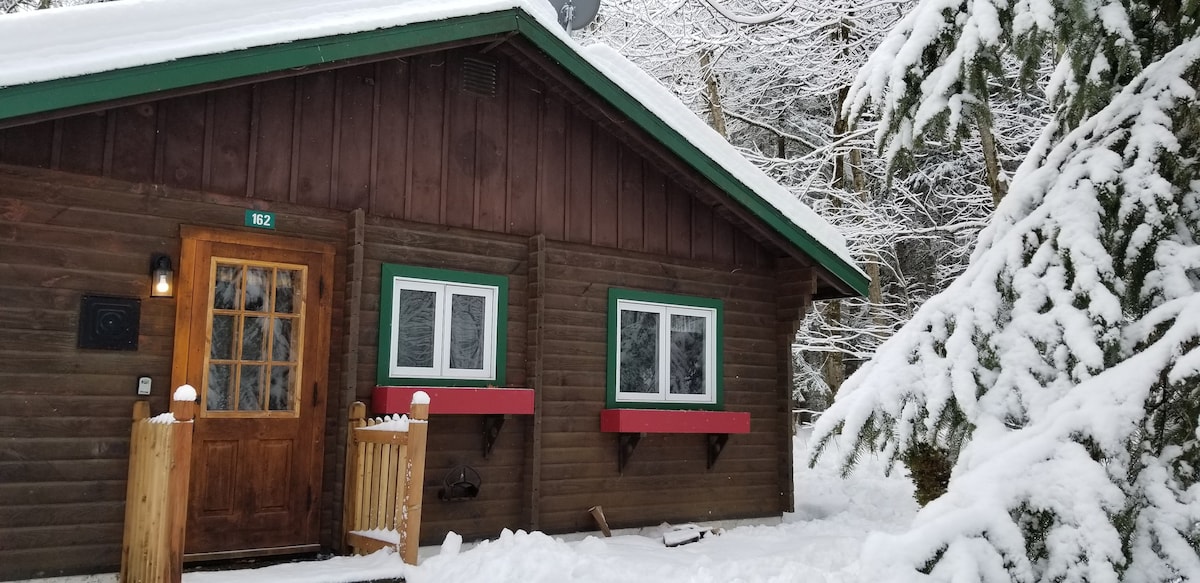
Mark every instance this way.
x=68 y=57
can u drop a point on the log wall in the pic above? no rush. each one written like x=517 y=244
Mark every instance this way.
x=456 y=439
x=666 y=478
x=64 y=437
x=395 y=162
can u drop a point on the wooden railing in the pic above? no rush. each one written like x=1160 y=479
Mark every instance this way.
x=385 y=468
x=160 y=453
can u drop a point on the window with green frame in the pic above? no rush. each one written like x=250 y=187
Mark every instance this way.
x=439 y=327
x=664 y=351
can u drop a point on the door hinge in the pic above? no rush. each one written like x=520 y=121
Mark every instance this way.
x=321 y=287
x=313 y=399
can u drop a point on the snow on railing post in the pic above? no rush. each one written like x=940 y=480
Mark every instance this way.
x=160 y=454
x=418 y=431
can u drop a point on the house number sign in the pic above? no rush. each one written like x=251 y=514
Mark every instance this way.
x=260 y=219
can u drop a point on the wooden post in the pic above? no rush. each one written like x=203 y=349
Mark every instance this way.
x=141 y=410
x=354 y=470
x=160 y=462
x=598 y=514
x=418 y=433
x=178 y=483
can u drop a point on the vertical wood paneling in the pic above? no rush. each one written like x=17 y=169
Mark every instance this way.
x=29 y=145
x=491 y=146
x=133 y=148
x=606 y=176
x=78 y=151
x=462 y=126
x=552 y=169
x=393 y=153
x=230 y=140
x=315 y=156
x=745 y=249
x=722 y=240
x=630 y=211
x=654 y=201
x=425 y=158
x=354 y=146
x=579 y=178
x=702 y=238
x=273 y=163
x=183 y=146
x=679 y=221
x=402 y=138
x=522 y=149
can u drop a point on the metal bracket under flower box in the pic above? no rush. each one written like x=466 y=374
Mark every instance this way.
x=495 y=404
x=632 y=424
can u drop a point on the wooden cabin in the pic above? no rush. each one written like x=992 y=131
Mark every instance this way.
x=597 y=291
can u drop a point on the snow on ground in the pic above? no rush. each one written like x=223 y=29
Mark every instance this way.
x=821 y=542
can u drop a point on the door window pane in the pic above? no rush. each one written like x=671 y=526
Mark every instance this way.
x=228 y=287
x=415 y=328
x=281 y=340
x=250 y=387
x=222 y=337
x=639 y=352
x=258 y=291
x=286 y=292
x=254 y=343
x=254 y=338
x=687 y=355
x=219 y=388
x=281 y=388
x=467 y=323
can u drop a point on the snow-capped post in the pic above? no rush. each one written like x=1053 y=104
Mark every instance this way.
x=160 y=453
x=418 y=431
x=183 y=403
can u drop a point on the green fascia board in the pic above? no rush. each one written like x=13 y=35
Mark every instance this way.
x=390 y=271
x=46 y=96
x=616 y=294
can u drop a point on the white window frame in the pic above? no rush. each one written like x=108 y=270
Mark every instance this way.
x=441 y=368
x=664 y=394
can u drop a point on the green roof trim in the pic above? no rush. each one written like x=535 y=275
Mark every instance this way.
x=33 y=98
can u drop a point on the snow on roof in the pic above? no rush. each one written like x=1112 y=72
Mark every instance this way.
x=47 y=45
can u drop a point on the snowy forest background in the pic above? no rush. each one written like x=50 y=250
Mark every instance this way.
x=1018 y=178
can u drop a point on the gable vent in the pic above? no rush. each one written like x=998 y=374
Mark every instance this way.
x=479 y=77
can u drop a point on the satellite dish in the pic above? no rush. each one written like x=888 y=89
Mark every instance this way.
x=576 y=13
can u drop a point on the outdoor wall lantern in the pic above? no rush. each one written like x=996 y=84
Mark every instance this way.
x=162 y=277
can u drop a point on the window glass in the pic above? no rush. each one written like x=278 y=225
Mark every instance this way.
x=687 y=355
x=664 y=350
x=254 y=336
x=467 y=326
x=639 y=352
x=441 y=327
x=415 y=328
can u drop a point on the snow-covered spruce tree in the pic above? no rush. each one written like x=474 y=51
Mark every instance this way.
x=1061 y=372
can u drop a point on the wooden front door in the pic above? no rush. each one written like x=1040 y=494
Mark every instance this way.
x=252 y=335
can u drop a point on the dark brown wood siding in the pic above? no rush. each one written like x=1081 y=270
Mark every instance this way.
x=395 y=162
x=666 y=478
x=64 y=411
x=457 y=439
x=402 y=139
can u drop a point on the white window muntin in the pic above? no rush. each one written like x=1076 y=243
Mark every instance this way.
x=665 y=311
x=441 y=330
